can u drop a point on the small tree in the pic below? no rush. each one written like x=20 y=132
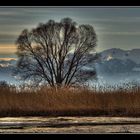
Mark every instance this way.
x=55 y=51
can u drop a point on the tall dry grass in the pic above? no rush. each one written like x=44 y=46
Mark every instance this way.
x=69 y=102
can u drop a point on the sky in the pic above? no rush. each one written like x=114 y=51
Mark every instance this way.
x=115 y=27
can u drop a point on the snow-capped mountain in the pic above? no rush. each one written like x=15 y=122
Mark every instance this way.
x=113 y=61
x=116 y=64
x=116 y=53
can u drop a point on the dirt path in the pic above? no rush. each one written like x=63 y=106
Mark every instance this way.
x=69 y=125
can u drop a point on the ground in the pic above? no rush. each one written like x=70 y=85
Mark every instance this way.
x=69 y=125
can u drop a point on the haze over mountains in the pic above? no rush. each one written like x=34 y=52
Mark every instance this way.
x=119 y=61
x=133 y=54
x=117 y=65
x=114 y=65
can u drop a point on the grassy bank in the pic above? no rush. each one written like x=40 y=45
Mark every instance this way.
x=69 y=102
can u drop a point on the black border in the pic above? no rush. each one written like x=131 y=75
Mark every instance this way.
x=68 y=136
x=69 y=3
x=75 y=3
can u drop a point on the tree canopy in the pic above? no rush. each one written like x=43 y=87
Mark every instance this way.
x=55 y=52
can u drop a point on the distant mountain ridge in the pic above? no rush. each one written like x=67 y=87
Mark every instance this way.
x=112 y=62
x=116 y=53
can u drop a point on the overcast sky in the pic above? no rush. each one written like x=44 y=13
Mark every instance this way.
x=115 y=27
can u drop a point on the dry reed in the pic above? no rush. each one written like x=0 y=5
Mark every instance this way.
x=69 y=102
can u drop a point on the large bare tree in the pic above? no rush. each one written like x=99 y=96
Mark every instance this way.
x=55 y=51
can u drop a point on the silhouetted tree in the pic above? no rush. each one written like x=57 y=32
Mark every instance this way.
x=55 y=51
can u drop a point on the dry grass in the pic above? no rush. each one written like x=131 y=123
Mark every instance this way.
x=69 y=102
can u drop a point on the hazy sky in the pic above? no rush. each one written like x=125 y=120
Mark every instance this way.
x=115 y=27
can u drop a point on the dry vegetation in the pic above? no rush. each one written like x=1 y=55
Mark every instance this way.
x=69 y=102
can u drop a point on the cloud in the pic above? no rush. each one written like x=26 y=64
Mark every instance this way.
x=7 y=48
x=7 y=58
x=116 y=19
x=120 y=33
x=4 y=12
x=109 y=23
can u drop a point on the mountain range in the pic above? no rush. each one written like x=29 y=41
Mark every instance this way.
x=119 y=61
x=113 y=62
x=120 y=54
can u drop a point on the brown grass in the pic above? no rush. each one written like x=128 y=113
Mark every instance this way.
x=69 y=102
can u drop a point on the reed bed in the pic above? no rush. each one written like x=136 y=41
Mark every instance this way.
x=69 y=102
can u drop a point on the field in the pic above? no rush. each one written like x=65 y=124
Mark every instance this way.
x=69 y=102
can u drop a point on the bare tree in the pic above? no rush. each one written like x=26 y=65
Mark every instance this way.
x=55 y=51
